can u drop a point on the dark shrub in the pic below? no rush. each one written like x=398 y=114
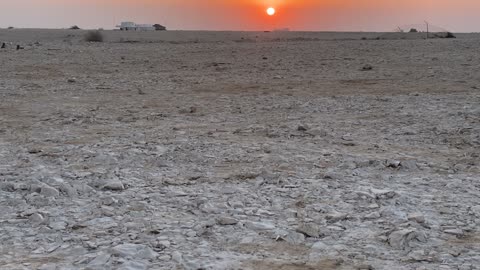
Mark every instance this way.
x=450 y=35
x=75 y=27
x=94 y=36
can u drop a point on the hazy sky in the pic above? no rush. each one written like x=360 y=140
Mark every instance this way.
x=342 y=15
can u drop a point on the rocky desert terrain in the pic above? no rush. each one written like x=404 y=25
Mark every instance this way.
x=231 y=150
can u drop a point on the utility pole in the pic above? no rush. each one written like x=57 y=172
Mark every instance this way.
x=426 y=23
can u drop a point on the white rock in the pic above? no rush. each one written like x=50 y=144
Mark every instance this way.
x=417 y=217
x=58 y=225
x=177 y=257
x=260 y=226
x=320 y=246
x=336 y=216
x=115 y=185
x=476 y=210
x=133 y=265
x=49 y=266
x=466 y=266
x=49 y=191
x=227 y=221
x=100 y=260
x=401 y=239
x=310 y=230
x=134 y=251
x=294 y=238
x=373 y=215
x=417 y=255
x=36 y=218
x=383 y=193
x=456 y=232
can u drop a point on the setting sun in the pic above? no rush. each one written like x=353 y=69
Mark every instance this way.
x=271 y=11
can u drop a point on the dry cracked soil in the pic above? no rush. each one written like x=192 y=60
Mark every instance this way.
x=211 y=150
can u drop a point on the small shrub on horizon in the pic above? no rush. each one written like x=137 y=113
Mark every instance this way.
x=450 y=35
x=75 y=27
x=94 y=36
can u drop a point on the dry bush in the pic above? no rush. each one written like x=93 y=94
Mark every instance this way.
x=75 y=27
x=94 y=36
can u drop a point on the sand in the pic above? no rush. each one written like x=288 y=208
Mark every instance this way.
x=238 y=150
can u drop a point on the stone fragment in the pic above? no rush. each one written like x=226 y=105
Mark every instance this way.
x=310 y=230
x=401 y=239
x=302 y=128
x=320 y=246
x=294 y=238
x=49 y=191
x=134 y=251
x=227 y=221
x=456 y=232
x=373 y=215
x=367 y=67
x=393 y=163
x=417 y=217
x=133 y=265
x=8 y=187
x=36 y=218
x=417 y=255
x=115 y=185
x=336 y=216
x=383 y=193
x=99 y=261
x=260 y=226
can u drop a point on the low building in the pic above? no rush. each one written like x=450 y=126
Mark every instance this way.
x=131 y=26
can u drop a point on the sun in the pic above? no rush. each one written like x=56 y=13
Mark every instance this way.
x=271 y=11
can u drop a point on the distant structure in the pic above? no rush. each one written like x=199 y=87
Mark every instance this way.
x=159 y=27
x=131 y=26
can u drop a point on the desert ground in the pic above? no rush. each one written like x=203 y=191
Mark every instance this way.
x=239 y=150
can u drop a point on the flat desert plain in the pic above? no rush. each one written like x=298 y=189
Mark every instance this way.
x=239 y=150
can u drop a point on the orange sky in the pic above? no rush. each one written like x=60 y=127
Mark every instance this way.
x=340 y=15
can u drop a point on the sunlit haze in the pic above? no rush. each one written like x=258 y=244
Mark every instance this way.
x=310 y=15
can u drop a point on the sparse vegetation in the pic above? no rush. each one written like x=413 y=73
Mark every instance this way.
x=94 y=36
x=413 y=30
x=10 y=27
x=450 y=35
x=75 y=27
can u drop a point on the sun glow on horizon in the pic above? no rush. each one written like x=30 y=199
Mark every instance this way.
x=271 y=11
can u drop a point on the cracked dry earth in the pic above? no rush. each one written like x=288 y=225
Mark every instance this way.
x=239 y=152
